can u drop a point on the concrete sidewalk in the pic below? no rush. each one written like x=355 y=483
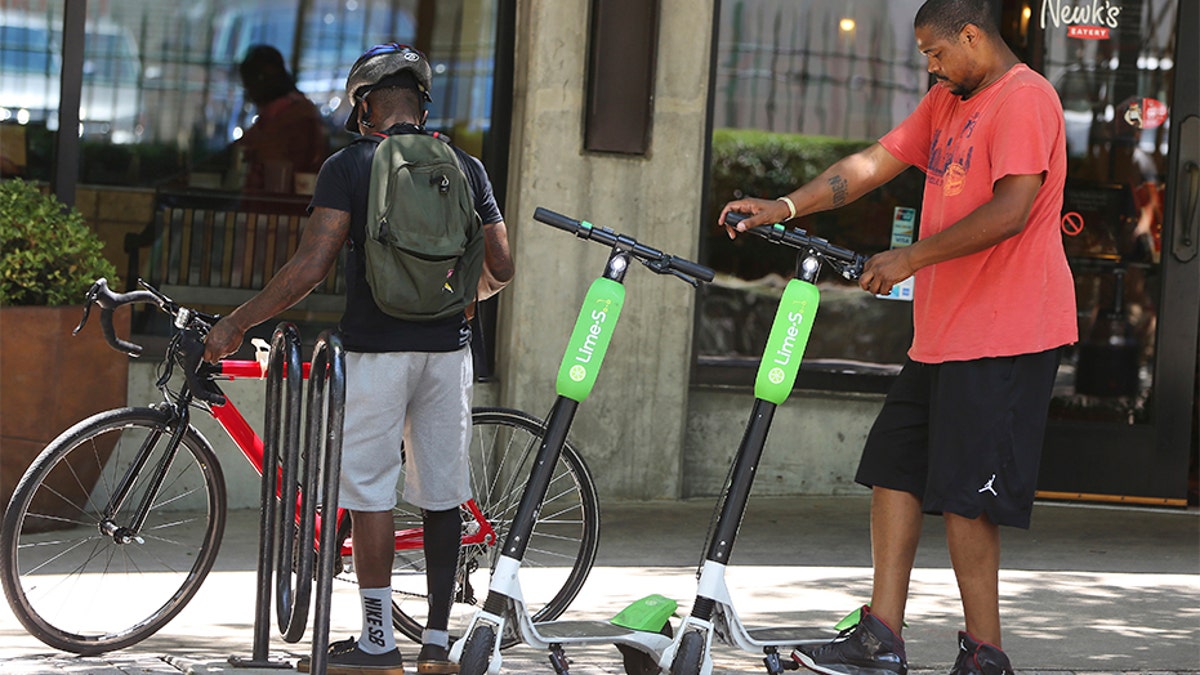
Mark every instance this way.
x=1086 y=590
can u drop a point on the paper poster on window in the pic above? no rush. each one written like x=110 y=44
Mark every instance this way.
x=904 y=231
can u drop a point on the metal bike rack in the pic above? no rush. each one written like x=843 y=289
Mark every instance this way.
x=286 y=549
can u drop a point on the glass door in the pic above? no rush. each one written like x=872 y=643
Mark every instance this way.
x=1115 y=434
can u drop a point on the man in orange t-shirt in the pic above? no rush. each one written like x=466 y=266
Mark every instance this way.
x=961 y=432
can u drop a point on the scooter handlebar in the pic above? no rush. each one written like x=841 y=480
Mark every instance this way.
x=799 y=239
x=656 y=260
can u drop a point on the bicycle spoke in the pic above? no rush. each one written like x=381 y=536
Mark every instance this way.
x=60 y=519
x=56 y=558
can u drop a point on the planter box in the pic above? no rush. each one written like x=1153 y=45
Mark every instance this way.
x=49 y=380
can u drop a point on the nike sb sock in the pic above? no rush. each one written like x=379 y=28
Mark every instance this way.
x=377 y=636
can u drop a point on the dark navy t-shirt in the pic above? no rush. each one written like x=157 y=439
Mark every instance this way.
x=343 y=184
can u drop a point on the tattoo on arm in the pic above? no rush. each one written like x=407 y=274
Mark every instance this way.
x=840 y=187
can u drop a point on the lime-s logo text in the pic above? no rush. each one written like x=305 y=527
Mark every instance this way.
x=599 y=316
x=784 y=355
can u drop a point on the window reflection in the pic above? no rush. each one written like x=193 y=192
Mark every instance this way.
x=1114 y=93
x=161 y=87
x=798 y=86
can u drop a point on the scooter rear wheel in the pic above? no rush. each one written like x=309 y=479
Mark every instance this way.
x=638 y=662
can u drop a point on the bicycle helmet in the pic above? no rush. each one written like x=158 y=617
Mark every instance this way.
x=385 y=65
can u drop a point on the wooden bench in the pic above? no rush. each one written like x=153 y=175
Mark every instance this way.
x=213 y=251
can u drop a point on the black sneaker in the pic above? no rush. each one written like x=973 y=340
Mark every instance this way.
x=435 y=660
x=345 y=658
x=979 y=658
x=868 y=648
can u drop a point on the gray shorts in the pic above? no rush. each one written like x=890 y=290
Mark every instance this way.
x=422 y=399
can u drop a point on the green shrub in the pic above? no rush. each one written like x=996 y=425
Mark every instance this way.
x=764 y=164
x=48 y=254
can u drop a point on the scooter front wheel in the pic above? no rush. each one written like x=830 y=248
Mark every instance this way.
x=477 y=652
x=561 y=549
x=690 y=654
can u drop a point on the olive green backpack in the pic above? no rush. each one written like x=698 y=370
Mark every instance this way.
x=424 y=240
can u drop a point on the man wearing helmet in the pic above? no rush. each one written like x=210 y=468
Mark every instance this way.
x=406 y=381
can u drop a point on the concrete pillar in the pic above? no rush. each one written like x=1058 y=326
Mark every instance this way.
x=631 y=429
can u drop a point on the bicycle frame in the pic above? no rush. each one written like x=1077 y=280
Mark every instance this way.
x=250 y=443
x=162 y=466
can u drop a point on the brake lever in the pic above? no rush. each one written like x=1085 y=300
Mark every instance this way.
x=853 y=270
x=663 y=266
x=90 y=299
x=693 y=281
x=87 y=309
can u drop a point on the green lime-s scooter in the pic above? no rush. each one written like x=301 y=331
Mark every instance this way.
x=640 y=630
x=713 y=613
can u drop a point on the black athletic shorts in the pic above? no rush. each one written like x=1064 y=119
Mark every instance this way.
x=964 y=436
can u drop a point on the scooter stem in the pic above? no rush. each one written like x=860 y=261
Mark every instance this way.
x=559 y=422
x=737 y=493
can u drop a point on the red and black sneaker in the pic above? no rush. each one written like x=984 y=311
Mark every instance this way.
x=979 y=658
x=870 y=647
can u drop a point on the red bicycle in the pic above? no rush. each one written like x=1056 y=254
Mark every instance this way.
x=113 y=528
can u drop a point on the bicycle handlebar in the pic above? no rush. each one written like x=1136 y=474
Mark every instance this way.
x=662 y=263
x=190 y=347
x=848 y=262
x=100 y=294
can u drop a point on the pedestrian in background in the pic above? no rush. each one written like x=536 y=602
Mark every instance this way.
x=288 y=136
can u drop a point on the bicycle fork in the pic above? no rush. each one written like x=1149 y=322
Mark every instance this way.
x=129 y=533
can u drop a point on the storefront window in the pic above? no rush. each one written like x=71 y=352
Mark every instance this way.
x=203 y=126
x=1115 y=80
x=162 y=92
x=799 y=85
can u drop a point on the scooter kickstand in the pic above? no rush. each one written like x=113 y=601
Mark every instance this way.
x=558 y=659
x=776 y=665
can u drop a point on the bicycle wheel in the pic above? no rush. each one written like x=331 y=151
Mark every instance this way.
x=75 y=577
x=561 y=549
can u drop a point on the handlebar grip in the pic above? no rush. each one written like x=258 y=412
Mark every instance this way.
x=694 y=270
x=556 y=219
x=110 y=335
x=101 y=295
x=733 y=218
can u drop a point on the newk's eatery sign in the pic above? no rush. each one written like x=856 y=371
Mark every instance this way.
x=1092 y=21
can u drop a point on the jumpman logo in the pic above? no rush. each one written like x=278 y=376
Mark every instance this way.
x=987 y=487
